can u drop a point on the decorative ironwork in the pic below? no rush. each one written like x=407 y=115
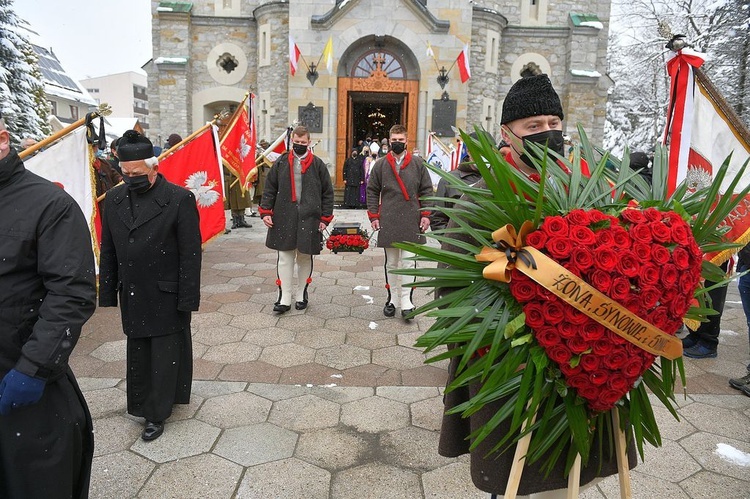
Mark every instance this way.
x=379 y=62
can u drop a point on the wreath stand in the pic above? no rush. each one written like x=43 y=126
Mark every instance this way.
x=623 y=470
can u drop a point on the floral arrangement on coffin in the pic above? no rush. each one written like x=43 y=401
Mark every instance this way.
x=574 y=313
x=348 y=242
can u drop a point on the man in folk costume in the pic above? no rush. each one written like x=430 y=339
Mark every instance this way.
x=47 y=293
x=532 y=112
x=397 y=182
x=297 y=205
x=151 y=258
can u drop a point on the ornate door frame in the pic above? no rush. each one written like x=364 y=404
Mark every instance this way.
x=377 y=82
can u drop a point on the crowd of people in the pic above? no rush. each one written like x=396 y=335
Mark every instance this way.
x=151 y=263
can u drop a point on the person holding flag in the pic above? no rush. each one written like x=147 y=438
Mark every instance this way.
x=297 y=205
x=47 y=293
x=151 y=258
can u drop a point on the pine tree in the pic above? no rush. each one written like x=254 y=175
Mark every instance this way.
x=21 y=89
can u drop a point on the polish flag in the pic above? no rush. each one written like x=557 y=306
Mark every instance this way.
x=463 y=64
x=294 y=54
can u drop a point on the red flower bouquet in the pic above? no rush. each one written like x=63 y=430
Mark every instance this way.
x=574 y=316
x=348 y=242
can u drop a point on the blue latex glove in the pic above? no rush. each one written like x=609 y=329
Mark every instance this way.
x=18 y=389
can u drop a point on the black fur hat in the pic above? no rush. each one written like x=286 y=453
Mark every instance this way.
x=133 y=146
x=531 y=96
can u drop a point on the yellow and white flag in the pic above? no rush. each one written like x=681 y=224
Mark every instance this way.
x=328 y=55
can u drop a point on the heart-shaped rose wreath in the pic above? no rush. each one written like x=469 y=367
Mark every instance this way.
x=646 y=260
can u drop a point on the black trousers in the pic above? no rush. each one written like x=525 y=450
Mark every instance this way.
x=708 y=332
x=46 y=448
x=160 y=374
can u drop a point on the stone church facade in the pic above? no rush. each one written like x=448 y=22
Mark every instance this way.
x=209 y=53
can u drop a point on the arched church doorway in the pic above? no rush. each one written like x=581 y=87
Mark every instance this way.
x=378 y=86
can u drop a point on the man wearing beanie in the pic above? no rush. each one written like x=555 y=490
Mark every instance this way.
x=151 y=260
x=532 y=112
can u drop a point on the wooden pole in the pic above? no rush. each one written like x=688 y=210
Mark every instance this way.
x=190 y=137
x=574 y=479
x=103 y=110
x=519 y=461
x=621 y=449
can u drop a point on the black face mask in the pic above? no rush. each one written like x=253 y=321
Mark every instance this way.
x=553 y=139
x=299 y=149
x=139 y=183
x=398 y=147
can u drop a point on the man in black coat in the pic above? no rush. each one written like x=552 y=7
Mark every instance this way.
x=297 y=205
x=47 y=293
x=151 y=258
x=353 y=179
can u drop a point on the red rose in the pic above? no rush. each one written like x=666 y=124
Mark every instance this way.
x=681 y=258
x=601 y=280
x=609 y=397
x=649 y=275
x=632 y=303
x=536 y=239
x=659 y=254
x=577 y=345
x=570 y=371
x=678 y=308
x=618 y=384
x=653 y=215
x=642 y=251
x=695 y=250
x=674 y=219
x=589 y=363
x=659 y=317
x=633 y=216
x=605 y=258
x=681 y=234
x=616 y=359
x=632 y=367
x=578 y=217
x=523 y=291
x=669 y=294
x=641 y=233
x=555 y=226
x=603 y=346
x=621 y=238
x=574 y=316
x=628 y=264
x=578 y=381
x=660 y=232
x=547 y=336
x=553 y=312
x=604 y=238
x=559 y=247
x=582 y=258
x=598 y=377
x=567 y=330
x=582 y=235
x=649 y=297
x=590 y=392
x=620 y=289
x=559 y=353
x=592 y=331
x=534 y=315
x=687 y=281
x=669 y=275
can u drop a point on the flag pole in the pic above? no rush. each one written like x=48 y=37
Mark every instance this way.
x=103 y=110
x=235 y=116
x=190 y=137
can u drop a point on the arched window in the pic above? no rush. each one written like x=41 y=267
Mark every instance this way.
x=379 y=60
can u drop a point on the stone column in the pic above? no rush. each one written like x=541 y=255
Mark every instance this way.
x=273 y=79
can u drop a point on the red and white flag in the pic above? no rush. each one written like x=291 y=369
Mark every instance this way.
x=238 y=145
x=196 y=166
x=279 y=147
x=702 y=131
x=294 y=54
x=463 y=64
x=68 y=163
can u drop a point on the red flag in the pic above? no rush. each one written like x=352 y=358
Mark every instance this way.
x=238 y=146
x=702 y=131
x=294 y=55
x=463 y=64
x=196 y=166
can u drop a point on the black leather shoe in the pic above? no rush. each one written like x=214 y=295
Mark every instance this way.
x=152 y=431
x=281 y=309
x=405 y=313
x=301 y=305
x=389 y=310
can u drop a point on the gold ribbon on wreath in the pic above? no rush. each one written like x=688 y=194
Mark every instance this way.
x=510 y=253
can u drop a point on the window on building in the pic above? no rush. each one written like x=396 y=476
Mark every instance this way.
x=264 y=46
x=53 y=107
x=379 y=60
x=74 y=112
x=493 y=48
x=227 y=62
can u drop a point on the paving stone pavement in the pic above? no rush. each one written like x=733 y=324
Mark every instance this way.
x=335 y=402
